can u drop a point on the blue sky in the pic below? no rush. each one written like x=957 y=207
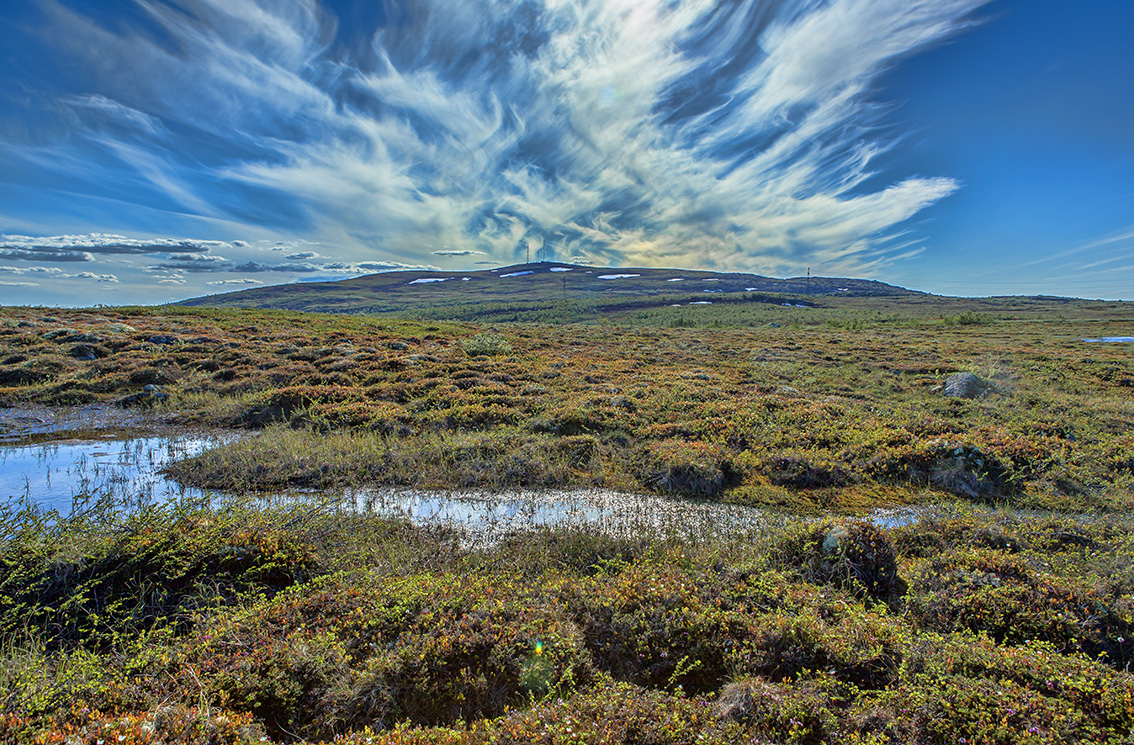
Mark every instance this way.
x=154 y=150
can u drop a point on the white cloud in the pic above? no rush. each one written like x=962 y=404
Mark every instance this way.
x=105 y=243
x=731 y=136
x=109 y=278
x=244 y=281
x=105 y=108
x=56 y=273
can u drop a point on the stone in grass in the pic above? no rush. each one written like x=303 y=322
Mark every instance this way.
x=150 y=395
x=964 y=385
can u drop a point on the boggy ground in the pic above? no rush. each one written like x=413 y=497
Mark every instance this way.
x=230 y=624
x=803 y=417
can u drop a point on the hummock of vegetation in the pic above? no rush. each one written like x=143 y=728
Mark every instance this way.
x=297 y=619
x=804 y=417
x=232 y=624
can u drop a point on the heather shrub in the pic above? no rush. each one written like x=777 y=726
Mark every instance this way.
x=694 y=469
x=1006 y=597
x=344 y=652
x=850 y=554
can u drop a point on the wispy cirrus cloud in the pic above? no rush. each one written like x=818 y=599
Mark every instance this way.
x=698 y=133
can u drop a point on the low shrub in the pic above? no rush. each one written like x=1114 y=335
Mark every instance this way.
x=850 y=554
x=1008 y=598
x=803 y=471
x=345 y=652
x=140 y=572
x=694 y=469
x=967 y=686
x=171 y=725
x=486 y=344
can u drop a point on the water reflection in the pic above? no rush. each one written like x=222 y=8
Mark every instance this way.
x=59 y=475
x=66 y=475
x=481 y=515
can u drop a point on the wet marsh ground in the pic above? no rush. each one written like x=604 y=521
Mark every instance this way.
x=806 y=416
x=1004 y=614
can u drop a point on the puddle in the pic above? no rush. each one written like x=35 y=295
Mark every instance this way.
x=899 y=517
x=37 y=424
x=487 y=516
x=61 y=474
x=1112 y=340
x=66 y=474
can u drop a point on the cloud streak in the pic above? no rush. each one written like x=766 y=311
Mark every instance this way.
x=98 y=243
x=693 y=133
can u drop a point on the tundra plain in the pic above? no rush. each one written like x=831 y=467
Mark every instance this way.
x=1002 y=613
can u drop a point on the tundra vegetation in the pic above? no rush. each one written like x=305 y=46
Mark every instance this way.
x=1005 y=614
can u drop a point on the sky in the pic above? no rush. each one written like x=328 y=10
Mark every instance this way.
x=153 y=150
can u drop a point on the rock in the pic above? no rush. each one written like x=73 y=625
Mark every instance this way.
x=835 y=538
x=964 y=385
x=150 y=395
x=162 y=340
x=155 y=392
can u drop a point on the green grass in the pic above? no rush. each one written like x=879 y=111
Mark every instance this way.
x=305 y=623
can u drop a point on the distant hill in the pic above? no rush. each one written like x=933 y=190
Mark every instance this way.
x=539 y=283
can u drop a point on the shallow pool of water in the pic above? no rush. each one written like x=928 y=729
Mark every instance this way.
x=66 y=474
x=61 y=474
x=484 y=515
x=1113 y=340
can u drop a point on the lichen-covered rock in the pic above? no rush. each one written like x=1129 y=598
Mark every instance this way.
x=964 y=385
